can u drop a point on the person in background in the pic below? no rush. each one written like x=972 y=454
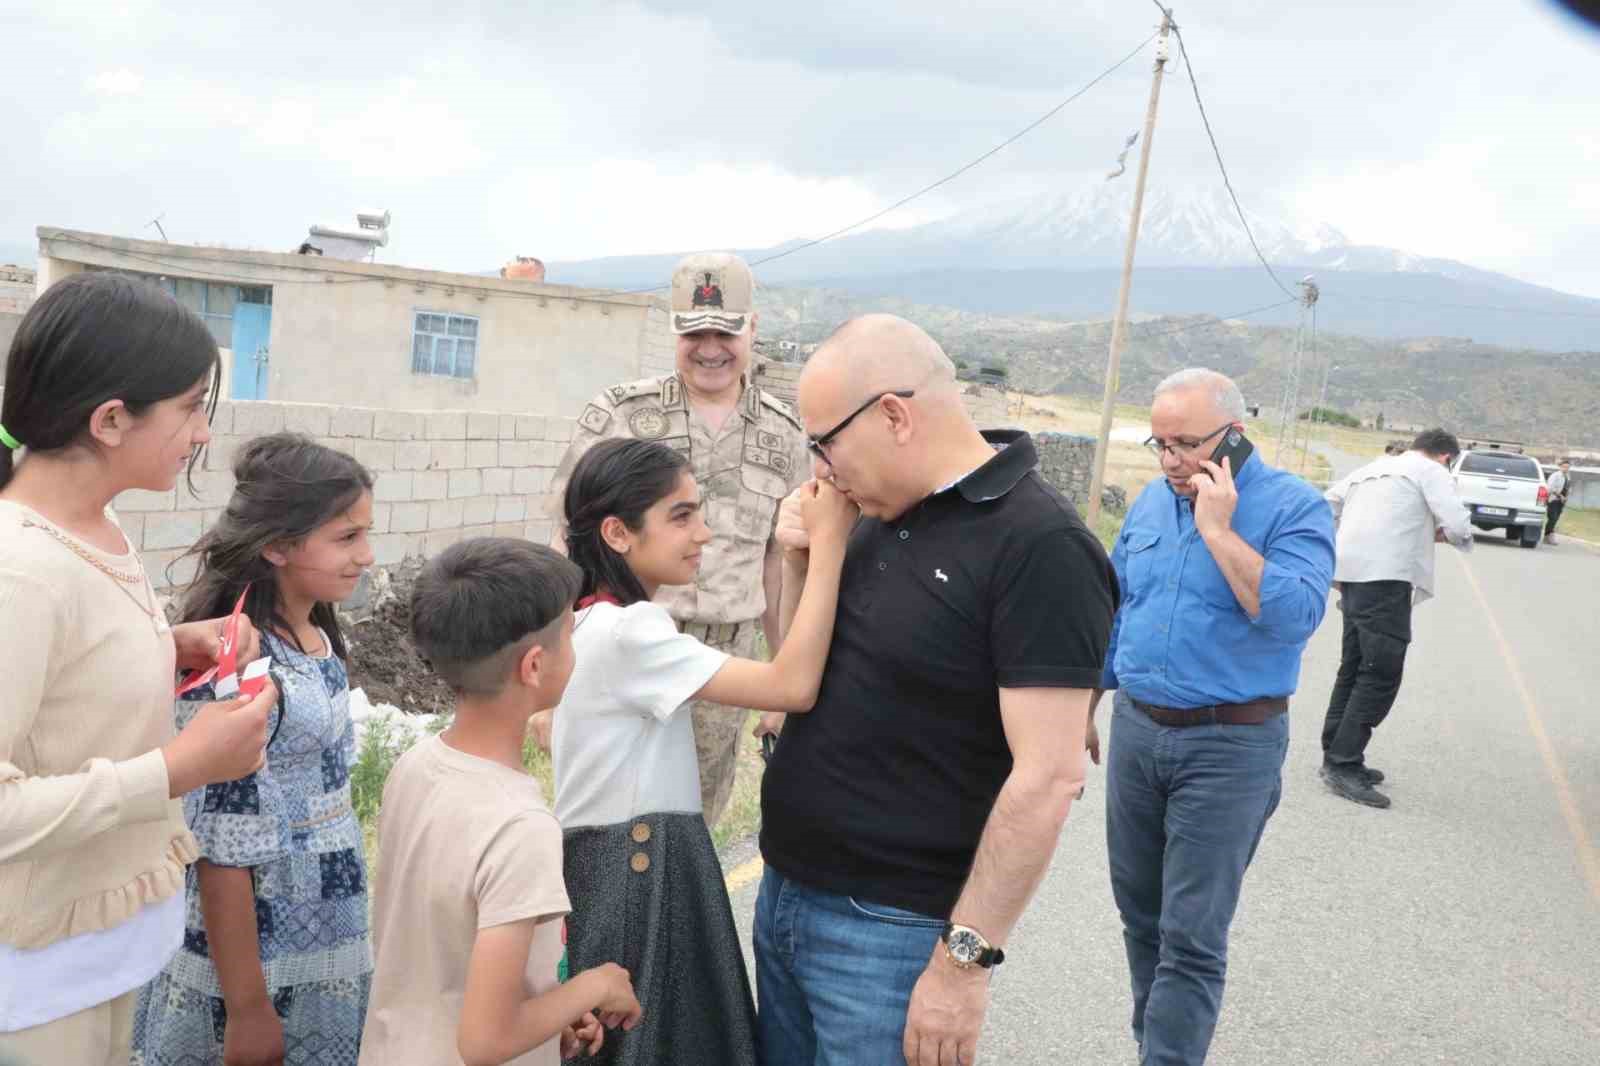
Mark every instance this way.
x=747 y=453
x=1390 y=513
x=1224 y=565
x=108 y=388
x=277 y=903
x=1560 y=485
x=468 y=917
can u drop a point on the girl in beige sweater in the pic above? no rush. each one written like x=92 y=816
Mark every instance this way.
x=108 y=387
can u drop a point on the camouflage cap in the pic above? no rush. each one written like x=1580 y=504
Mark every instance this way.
x=712 y=290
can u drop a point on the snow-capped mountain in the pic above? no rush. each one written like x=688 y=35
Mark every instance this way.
x=1062 y=252
x=1088 y=226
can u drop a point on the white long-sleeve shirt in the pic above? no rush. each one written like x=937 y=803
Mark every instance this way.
x=1387 y=513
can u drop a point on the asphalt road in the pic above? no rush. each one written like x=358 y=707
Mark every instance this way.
x=1460 y=926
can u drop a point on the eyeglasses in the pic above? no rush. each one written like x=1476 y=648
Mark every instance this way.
x=1181 y=447
x=815 y=445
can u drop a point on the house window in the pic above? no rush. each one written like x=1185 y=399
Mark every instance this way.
x=444 y=344
x=212 y=301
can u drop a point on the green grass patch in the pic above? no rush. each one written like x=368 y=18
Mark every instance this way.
x=1579 y=522
x=743 y=816
x=1106 y=526
x=382 y=744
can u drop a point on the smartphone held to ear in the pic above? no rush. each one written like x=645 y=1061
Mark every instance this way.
x=1234 y=447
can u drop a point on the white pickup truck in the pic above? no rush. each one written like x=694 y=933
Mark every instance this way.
x=1503 y=490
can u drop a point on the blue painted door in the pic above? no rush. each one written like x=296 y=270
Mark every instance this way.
x=252 y=328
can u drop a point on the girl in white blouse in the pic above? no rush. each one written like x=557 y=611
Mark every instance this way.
x=646 y=887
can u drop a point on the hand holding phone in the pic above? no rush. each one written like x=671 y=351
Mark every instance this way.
x=1215 y=494
x=1234 y=447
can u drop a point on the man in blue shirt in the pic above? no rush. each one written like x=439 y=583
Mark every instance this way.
x=1224 y=575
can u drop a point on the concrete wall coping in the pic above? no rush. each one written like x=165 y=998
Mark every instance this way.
x=244 y=266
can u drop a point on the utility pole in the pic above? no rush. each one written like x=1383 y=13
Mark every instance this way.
x=1320 y=411
x=1119 y=325
x=1289 y=418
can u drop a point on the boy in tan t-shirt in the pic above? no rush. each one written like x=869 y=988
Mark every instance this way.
x=468 y=926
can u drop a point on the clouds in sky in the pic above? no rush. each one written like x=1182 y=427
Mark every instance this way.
x=1450 y=128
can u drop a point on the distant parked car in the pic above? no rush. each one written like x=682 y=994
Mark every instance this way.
x=1504 y=490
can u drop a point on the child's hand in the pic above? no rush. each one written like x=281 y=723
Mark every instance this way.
x=200 y=643
x=223 y=742
x=253 y=1037
x=615 y=1003
x=587 y=1037
x=791 y=529
x=828 y=513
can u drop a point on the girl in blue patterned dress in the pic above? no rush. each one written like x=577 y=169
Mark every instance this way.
x=276 y=962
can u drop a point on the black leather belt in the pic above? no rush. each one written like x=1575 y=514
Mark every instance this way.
x=1253 y=713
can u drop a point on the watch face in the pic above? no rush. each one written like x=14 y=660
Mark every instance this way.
x=965 y=946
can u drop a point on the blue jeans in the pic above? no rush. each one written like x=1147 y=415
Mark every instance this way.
x=1185 y=809
x=834 y=975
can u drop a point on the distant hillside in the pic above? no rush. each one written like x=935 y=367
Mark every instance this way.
x=1474 y=388
x=1061 y=254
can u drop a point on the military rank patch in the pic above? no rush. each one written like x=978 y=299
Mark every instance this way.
x=595 y=418
x=671 y=392
x=767 y=458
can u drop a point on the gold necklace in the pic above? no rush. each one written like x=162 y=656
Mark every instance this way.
x=84 y=554
x=149 y=607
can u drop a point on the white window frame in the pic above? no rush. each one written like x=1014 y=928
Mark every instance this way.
x=446 y=333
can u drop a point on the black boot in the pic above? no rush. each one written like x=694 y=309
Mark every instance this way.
x=1353 y=785
x=1374 y=777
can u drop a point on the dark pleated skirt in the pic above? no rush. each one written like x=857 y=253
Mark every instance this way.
x=658 y=907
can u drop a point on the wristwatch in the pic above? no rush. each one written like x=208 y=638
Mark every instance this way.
x=967 y=948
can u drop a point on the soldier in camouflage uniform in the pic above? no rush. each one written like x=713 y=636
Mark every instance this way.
x=747 y=451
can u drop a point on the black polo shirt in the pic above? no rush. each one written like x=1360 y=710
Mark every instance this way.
x=882 y=791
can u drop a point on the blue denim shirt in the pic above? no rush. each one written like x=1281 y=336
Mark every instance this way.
x=1180 y=638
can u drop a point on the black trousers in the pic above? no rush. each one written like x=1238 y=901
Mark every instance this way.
x=1377 y=630
x=1553 y=515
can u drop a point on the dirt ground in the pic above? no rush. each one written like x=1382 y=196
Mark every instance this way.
x=382 y=659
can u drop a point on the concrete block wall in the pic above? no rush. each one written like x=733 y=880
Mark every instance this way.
x=1066 y=460
x=441 y=476
x=780 y=379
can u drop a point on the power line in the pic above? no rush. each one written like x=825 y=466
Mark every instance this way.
x=1029 y=128
x=1194 y=83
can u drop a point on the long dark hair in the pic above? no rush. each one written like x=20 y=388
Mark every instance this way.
x=94 y=337
x=621 y=478
x=285 y=486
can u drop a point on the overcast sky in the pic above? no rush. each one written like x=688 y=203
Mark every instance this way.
x=1448 y=127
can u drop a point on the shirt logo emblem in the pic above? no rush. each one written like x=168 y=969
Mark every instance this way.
x=941 y=575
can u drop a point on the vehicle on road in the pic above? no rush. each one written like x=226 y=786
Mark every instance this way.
x=1503 y=490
